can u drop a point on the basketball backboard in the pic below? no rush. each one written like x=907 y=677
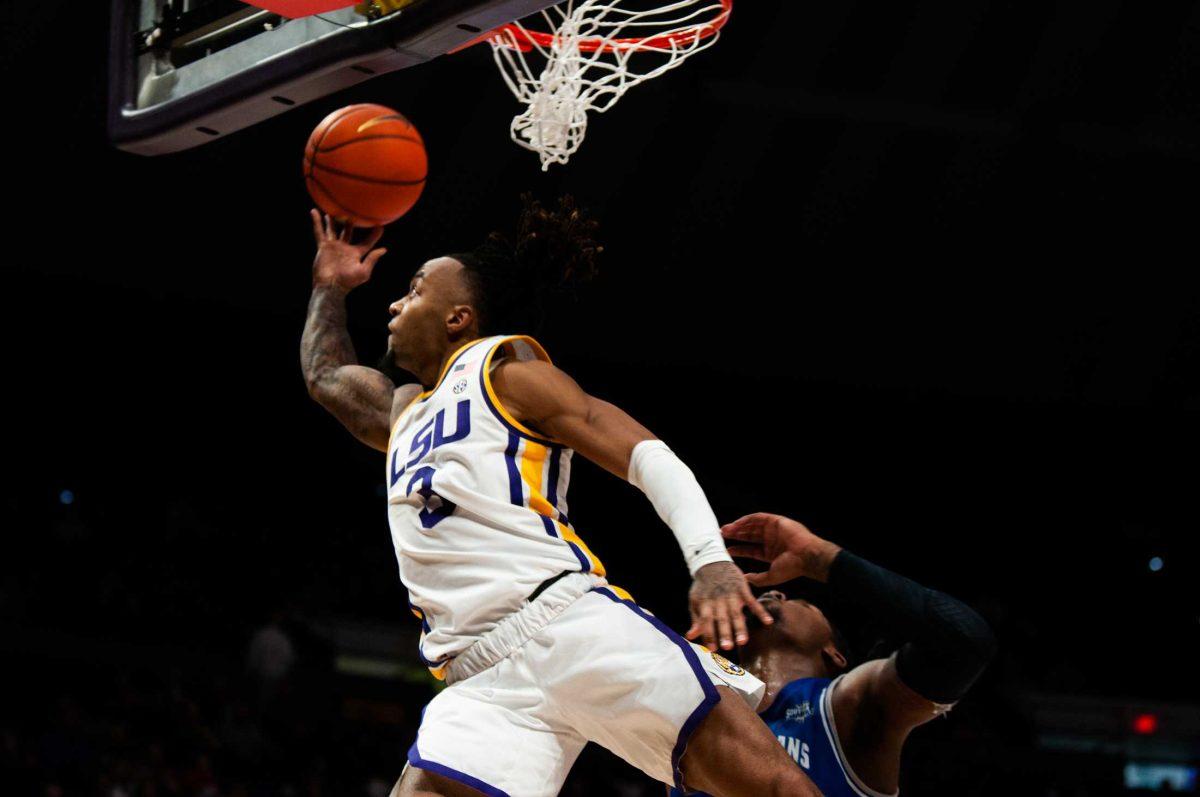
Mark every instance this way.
x=185 y=72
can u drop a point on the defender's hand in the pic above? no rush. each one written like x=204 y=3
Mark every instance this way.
x=718 y=595
x=788 y=545
x=340 y=262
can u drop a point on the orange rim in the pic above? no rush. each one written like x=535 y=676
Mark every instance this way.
x=511 y=35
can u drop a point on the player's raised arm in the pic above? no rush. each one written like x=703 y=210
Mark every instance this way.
x=547 y=398
x=878 y=703
x=359 y=397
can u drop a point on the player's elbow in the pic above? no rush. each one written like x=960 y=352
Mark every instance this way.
x=962 y=631
x=318 y=384
x=969 y=648
x=368 y=426
x=951 y=654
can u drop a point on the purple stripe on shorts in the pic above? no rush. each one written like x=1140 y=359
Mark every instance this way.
x=414 y=758
x=711 y=697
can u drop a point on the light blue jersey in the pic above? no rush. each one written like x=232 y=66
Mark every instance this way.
x=802 y=720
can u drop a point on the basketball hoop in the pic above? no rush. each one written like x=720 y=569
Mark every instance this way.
x=591 y=59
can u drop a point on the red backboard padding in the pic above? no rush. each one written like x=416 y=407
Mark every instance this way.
x=301 y=8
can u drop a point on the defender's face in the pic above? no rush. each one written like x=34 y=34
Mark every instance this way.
x=418 y=322
x=797 y=623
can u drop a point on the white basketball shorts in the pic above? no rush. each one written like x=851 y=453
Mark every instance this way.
x=581 y=663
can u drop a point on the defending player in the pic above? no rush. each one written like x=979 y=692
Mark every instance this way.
x=846 y=727
x=541 y=655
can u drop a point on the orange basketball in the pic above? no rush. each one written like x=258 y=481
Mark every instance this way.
x=365 y=164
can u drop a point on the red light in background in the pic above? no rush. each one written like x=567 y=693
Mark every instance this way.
x=1145 y=724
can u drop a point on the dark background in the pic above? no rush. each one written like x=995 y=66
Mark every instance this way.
x=918 y=274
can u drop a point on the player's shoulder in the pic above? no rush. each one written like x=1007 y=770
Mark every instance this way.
x=517 y=347
x=532 y=388
x=854 y=693
x=513 y=369
x=872 y=704
x=520 y=362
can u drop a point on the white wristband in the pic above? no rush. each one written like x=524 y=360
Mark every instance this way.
x=676 y=495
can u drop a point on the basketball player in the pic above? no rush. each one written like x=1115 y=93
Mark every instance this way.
x=541 y=654
x=845 y=727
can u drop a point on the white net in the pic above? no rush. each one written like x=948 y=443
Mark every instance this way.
x=597 y=52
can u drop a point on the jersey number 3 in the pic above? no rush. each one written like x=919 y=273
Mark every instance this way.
x=436 y=508
x=429 y=437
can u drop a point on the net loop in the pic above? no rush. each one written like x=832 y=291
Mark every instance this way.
x=597 y=51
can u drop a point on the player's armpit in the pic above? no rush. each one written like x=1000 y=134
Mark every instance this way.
x=548 y=400
x=360 y=397
x=402 y=397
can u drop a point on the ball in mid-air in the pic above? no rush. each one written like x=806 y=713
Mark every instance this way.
x=365 y=165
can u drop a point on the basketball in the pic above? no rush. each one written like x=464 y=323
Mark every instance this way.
x=365 y=165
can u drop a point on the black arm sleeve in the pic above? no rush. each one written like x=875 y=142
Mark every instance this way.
x=949 y=643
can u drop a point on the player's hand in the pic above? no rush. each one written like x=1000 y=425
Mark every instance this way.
x=339 y=261
x=718 y=595
x=788 y=545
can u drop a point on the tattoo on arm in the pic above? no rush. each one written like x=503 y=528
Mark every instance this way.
x=326 y=343
x=359 y=397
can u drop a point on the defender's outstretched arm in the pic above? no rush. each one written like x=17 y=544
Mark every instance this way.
x=877 y=704
x=548 y=399
x=359 y=397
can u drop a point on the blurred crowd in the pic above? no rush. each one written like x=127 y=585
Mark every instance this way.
x=146 y=661
x=146 y=728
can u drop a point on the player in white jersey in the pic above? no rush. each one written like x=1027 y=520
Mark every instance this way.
x=541 y=654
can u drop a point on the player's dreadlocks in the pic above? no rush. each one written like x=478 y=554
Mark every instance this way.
x=514 y=278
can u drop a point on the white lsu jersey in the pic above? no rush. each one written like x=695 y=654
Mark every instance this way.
x=476 y=503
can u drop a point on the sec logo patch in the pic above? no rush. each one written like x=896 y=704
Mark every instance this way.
x=726 y=665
